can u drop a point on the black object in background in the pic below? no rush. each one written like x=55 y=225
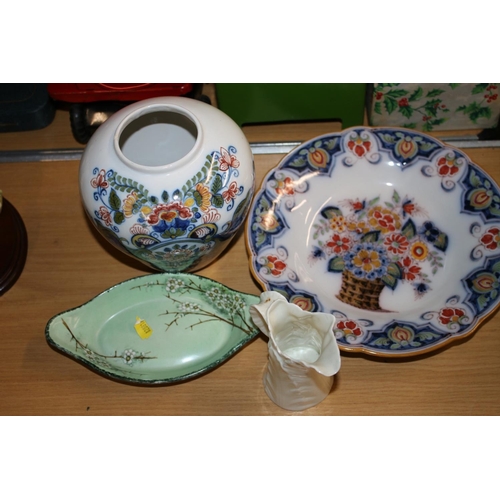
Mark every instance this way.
x=25 y=106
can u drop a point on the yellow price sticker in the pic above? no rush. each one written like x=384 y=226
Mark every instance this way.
x=142 y=328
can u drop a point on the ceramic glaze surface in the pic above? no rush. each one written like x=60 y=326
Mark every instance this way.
x=303 y=353
x=392 y=231
x=169 y=181
x=156 y=329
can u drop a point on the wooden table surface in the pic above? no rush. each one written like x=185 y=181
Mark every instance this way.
x=68 y=263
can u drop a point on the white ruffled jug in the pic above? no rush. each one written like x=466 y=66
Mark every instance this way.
x=303 y=353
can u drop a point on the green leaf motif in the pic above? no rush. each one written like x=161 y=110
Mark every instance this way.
x=409 y=229
x=336 y=265
x=394 y=270
x=482 y=112
x=495 y=210
x=390 y=104
x=479 y=88
x=453 y=86
x=217 y=201
x=118 y=217
x=390 y=281
x=410 y=125
x=298 y=162
x=197 y=198
x=217 y=184
x=370 y=237
x=331 y=212
x=441 y=242
x=406 y=111
x=378 y=108
x=482 y=301
x=474 y=179
x=434 y=92
x=114 y=200
x=164 y=196
x=432 y=106
x=396 y=197
x=397 y=93
x=416 y=95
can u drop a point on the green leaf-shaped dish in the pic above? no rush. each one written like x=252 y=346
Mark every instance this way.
x=156 y=329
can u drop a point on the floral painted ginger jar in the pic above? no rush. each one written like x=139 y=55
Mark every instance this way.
x=169 y=181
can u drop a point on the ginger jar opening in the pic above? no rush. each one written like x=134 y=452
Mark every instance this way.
x=169 y=181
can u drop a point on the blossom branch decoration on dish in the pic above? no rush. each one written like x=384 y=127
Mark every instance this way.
x=230 y=307
x=128 y=356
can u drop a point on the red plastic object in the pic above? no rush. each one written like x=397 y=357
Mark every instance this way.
x=92 y=92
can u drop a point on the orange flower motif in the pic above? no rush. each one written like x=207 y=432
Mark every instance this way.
x=130 y=203
x=337 y=223
x=339 y=244
x=396 y=244
x=205 y=196
x=419 y=250
x=384 y=219
x=318 y=157
x=407 y=147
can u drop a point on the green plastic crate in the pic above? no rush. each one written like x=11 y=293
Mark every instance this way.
x=252 y=103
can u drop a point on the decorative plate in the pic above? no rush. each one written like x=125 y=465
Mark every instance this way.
x=156 y=329
x=14 y=247
x=392 y=231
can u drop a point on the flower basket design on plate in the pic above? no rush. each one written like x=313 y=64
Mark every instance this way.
x=375 y=244
x=390 y=230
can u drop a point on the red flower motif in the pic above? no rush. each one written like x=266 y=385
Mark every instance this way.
x=100 y=180
x=384 y=219
x=408 y=207
x=168 y=212
x=451 y=315
x=105 y=216
x=339 y=244
x=396 y=244
x=275 y=265
x=446 y=166
x=285 y=187
x=403 y=103
x=379 y=95
x=231 y=192
x=410 y=270
x=226 y=160
x=491 y=238
x=358 y=146
x=349 y=327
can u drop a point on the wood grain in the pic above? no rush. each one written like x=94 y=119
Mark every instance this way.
x=68 y=263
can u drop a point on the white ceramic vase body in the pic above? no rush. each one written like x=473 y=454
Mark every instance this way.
x=303 y=353
x=169 y=181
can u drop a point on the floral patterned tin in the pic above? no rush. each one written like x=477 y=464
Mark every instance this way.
x=434 y=106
